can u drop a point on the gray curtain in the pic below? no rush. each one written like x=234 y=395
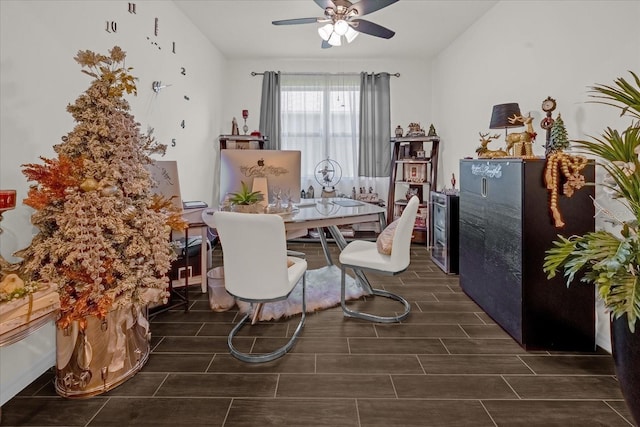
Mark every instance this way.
x=375 y=125
x=270 y=109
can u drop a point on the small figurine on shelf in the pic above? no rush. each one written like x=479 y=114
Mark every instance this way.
x=234 y=127
x=432 y=131
x=411 y=192
x=310 y=192
x=415 y=130
x=399 y=132
x=453 y=181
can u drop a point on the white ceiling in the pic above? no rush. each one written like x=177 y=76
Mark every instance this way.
x=242 y=29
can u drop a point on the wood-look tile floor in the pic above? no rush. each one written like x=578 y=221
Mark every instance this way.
x=448 y=364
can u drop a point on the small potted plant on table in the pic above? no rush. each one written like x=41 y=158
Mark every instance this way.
x=245 y=201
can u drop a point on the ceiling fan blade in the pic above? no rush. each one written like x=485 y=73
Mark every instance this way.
x=325 y=44
x=368 y=27
x=296 y=21
x=369 y=6
x=325 y=3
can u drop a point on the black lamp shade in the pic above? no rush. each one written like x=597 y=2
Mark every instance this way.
x=501 y=114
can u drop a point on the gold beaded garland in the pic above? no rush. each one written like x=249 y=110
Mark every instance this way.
x=570 y=166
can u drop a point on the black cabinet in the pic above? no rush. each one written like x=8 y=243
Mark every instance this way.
x=444 y=231
x=505 y=229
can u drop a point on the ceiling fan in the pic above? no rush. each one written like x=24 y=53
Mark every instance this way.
x=342 y=18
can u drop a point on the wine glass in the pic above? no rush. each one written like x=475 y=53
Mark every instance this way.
x=245 y=115
x=7 y=202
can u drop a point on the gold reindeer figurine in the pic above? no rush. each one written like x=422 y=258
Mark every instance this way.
x=520 y=144
x=484 y=152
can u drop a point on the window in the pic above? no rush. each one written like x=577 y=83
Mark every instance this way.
x=320 y=117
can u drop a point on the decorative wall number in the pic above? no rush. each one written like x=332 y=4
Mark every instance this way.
x=173 y=47
x=182 y=124
x=112 y=27
x=183 y=71
x=155 y=27
x=132 y=8
x=186 y=97
x=173 y=142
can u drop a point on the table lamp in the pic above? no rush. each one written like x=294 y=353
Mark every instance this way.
x=501 y=114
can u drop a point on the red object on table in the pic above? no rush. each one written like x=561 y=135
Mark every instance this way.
x=7 y=200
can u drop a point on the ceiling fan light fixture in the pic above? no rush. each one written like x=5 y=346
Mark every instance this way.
x=335 y=39
x=341 y=27
x=325 y=31
x=351 y=34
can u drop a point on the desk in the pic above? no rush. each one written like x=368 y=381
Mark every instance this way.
x=185 y=273
x=330 y=213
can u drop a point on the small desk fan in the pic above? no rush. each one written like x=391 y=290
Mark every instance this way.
x=328 y=175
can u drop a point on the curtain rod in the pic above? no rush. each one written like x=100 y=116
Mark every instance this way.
x=253 y=73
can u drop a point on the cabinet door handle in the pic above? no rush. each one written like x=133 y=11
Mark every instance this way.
x=483 y=187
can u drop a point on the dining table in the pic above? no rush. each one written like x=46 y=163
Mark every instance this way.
x=321 y=213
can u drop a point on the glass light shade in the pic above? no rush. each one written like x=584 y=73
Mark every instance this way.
x=325 y=31
x=341 y=27
x=351 y=34
x=334 y=40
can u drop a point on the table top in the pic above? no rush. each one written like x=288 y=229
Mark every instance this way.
x=312 y=213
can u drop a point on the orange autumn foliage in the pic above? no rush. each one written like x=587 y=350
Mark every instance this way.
x=54 y=176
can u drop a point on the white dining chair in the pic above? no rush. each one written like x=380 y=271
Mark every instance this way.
x=258 y=270
x=361 y=255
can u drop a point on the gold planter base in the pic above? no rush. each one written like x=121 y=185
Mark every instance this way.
x=104 y=355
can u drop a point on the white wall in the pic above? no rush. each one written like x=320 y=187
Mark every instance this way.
x=39 y=78
x=524 y=51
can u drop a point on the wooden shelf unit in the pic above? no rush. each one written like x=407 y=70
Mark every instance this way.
x=414 y=169
x=242 y=142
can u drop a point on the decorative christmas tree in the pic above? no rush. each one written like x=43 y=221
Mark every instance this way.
x=104 y=237
x=558 y=139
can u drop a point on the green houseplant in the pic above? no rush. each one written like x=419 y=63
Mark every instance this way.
x=612 y=261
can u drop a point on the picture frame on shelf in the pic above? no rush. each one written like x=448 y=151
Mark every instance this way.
x=415 y=173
